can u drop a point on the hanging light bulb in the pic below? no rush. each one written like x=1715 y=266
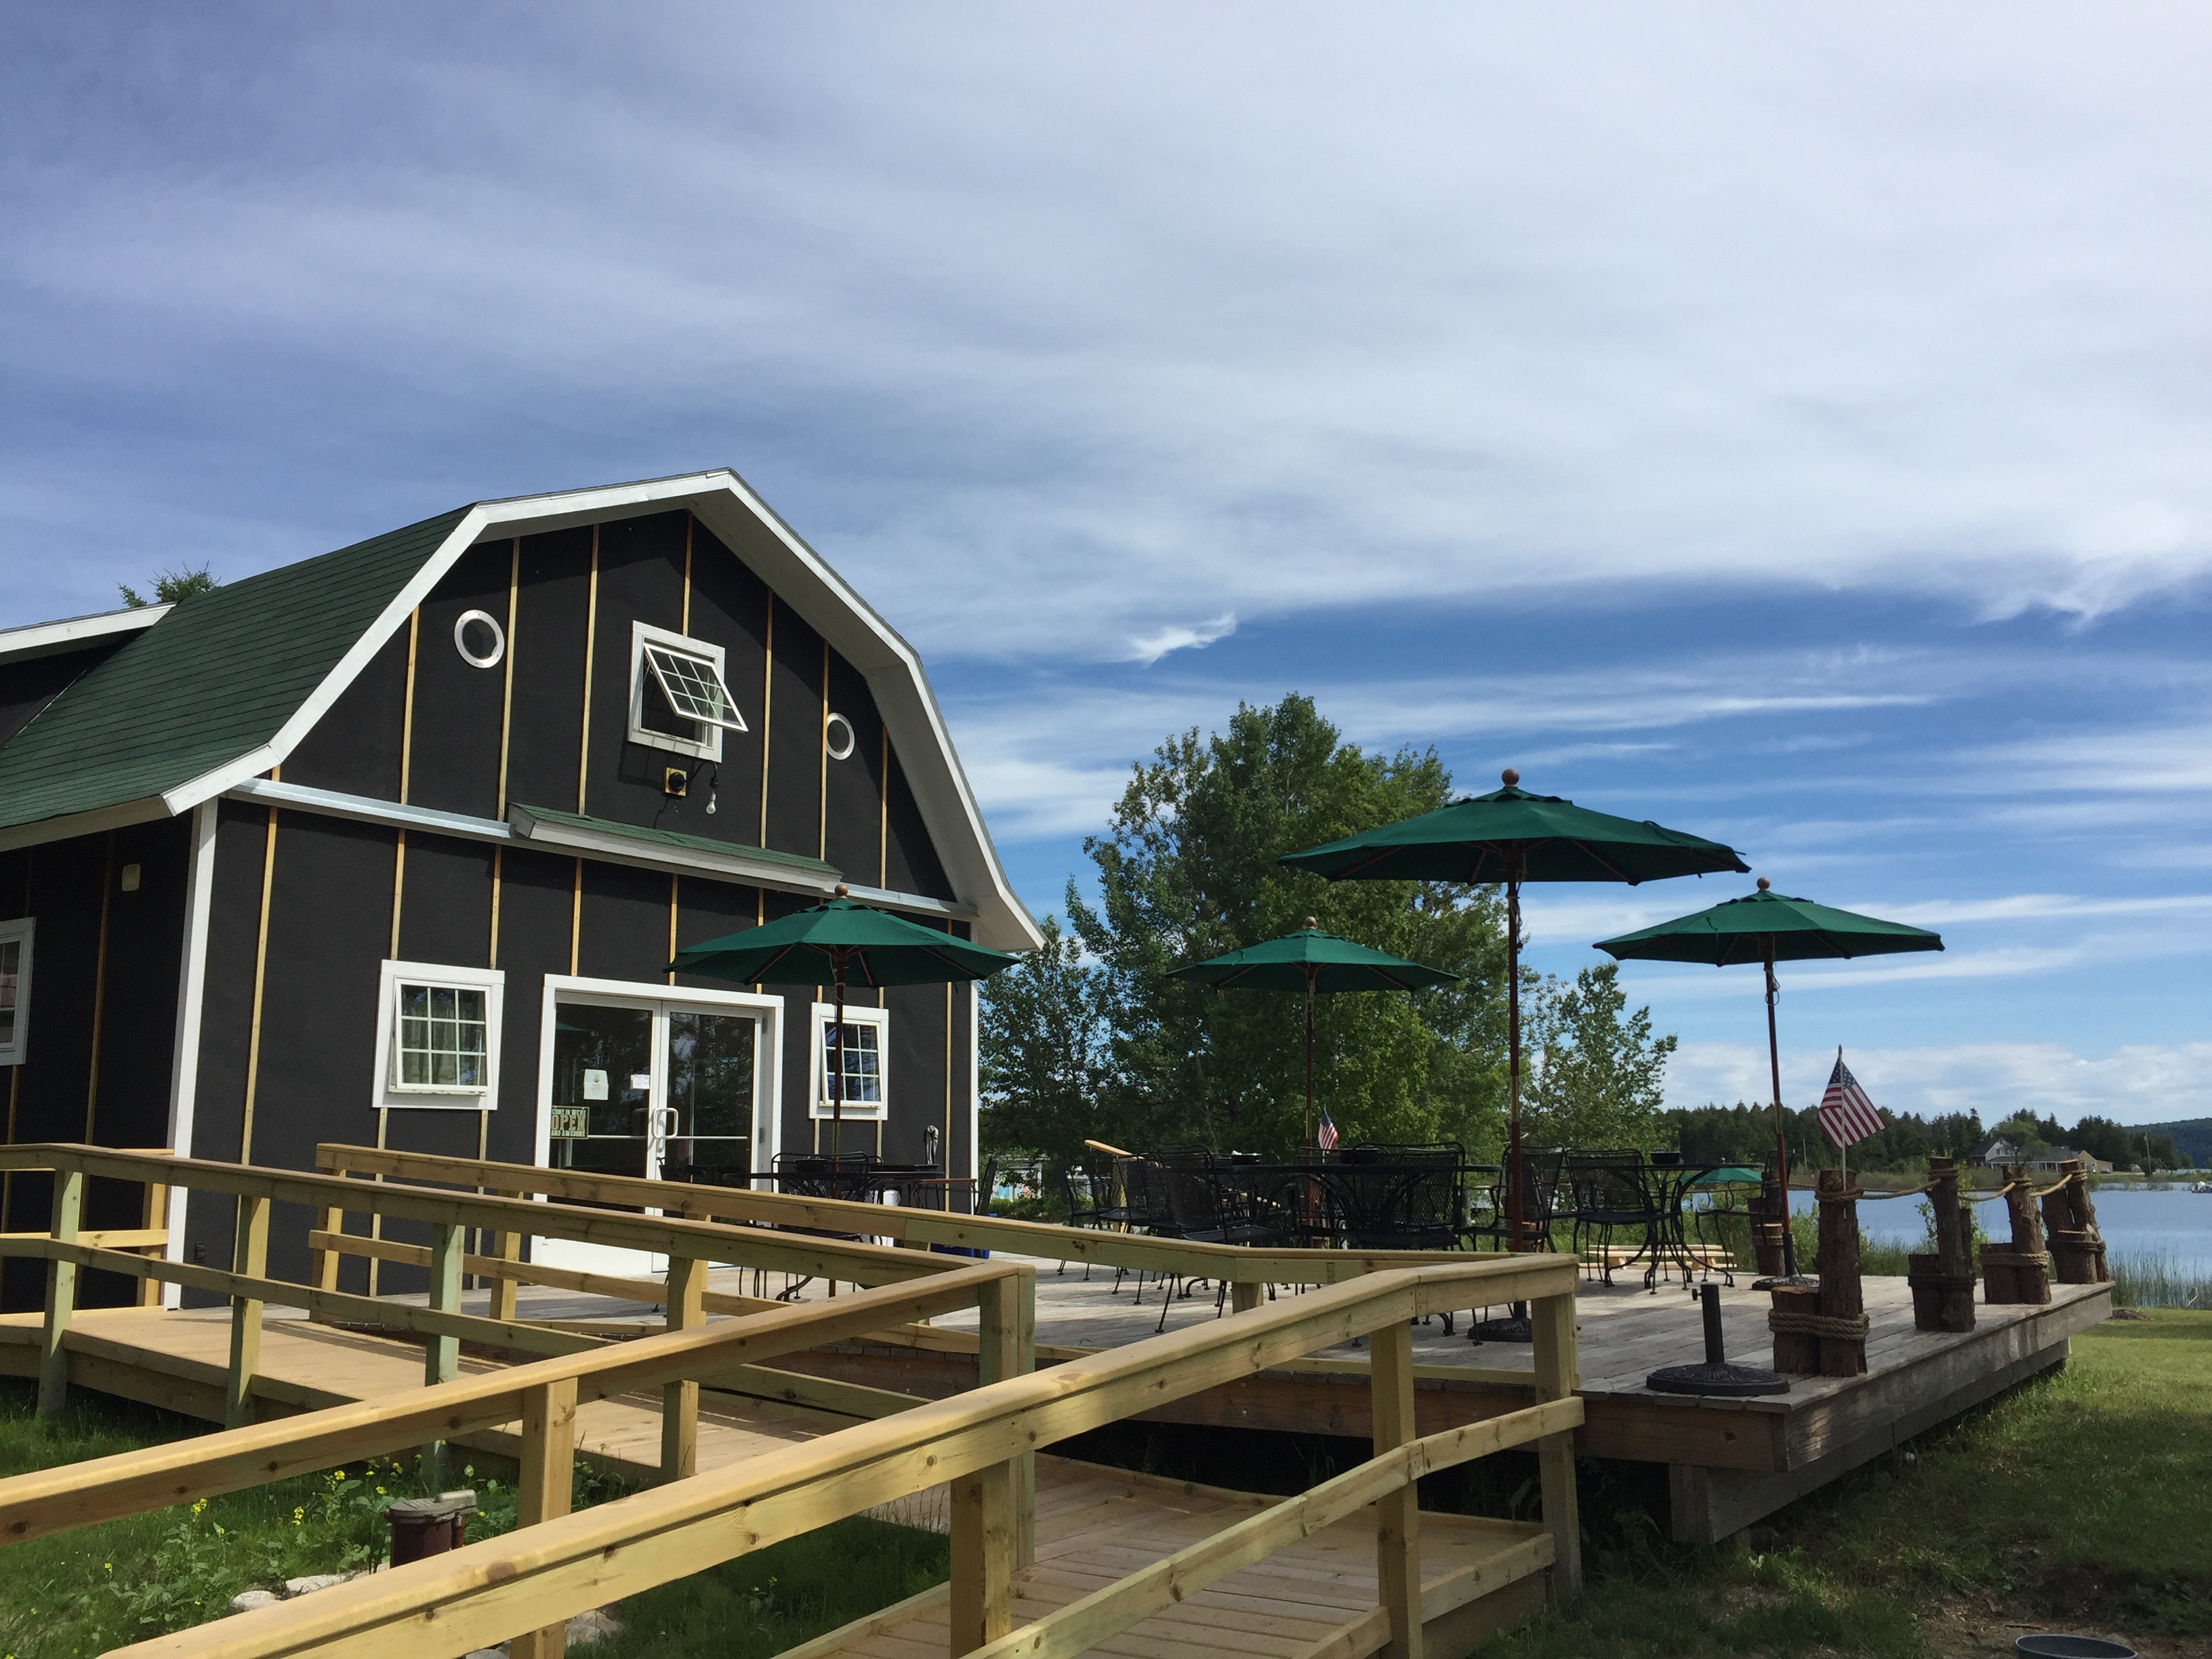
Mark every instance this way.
x=710 y=803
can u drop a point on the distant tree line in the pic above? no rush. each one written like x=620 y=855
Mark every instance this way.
x=1744 y=1134
x=1089 y=1039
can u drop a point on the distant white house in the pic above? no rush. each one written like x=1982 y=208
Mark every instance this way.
x=1997 y=1152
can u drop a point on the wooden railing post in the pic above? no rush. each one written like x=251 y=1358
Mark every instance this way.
x=1244 y=1295
x=154 y=1215
x=442 y=1355
x=1006 y=1347
x=323 y=1266
x=549 y=1458
x=1556 y=1377
x=61 y=1294
x=249 y=1255
x=502 y=1290
x=680 y=1401
x=1397 y=1513
x=994 y=1508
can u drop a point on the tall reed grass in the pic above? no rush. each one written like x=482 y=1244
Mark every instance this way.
x=2158 y=1279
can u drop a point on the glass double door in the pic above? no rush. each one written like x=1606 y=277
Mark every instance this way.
x=655 y=1088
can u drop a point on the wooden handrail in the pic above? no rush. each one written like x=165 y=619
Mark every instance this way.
x=1241 y=1264
x=485 y=1592
x=695 y=1240
x=77 y=1494
x=1091 y=1620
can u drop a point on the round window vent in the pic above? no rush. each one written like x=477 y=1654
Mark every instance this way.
x=479 y=639
x=837 y=736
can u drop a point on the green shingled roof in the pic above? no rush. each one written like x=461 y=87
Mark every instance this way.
x=213 y=680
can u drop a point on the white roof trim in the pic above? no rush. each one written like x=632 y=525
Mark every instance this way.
x=75 y=633
x=799 y=578
x=98 y=820
x=526 y=830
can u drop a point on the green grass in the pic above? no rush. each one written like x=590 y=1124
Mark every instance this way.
x=83 y=1592
x=2083 y=1500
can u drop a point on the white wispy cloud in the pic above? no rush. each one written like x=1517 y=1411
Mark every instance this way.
x=1181 y=636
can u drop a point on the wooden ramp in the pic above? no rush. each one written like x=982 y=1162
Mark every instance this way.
x=1095 y=1526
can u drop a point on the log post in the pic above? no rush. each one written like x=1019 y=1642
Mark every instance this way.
x=1397 y=1513
x=549 y=1458
x=249 y=1255
x=680 y=1401
x=2077 y=1249
x=1770 y=1214
x=1551 y=1320
x=1840 y=1301
x=1943 y=1284
x=1796 y=1350
x=61 y=1294
x=2021 y=1274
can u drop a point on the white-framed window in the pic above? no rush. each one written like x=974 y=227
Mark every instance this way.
x=679 y=698
x=15 y=987
x=438 y=1028
x=867 y=1060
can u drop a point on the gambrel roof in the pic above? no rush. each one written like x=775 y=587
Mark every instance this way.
x=221 y=688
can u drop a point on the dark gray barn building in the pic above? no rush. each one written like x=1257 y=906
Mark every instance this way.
x=395 y=845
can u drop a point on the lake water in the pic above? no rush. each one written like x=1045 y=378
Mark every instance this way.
x=2177 y=1223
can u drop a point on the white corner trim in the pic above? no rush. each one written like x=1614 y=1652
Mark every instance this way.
x=74 y=633
x=192 y=987
x=975 y=1087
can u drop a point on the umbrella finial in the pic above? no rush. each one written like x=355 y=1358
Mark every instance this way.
x=1763 y=884
x=844 y=891
x=1511 y=776
x=1313 y=922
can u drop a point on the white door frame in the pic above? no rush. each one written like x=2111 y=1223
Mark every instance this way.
x=768 y=1086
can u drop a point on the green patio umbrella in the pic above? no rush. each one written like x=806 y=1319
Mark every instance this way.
x=1511 y=837
x=1312 y=960
x=1768 y=927
x=836 y=944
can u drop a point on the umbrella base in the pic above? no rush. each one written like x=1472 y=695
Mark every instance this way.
x=1722 y=1379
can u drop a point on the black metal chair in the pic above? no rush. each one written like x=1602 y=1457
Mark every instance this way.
x=1539 y=1203
x=1611 y=1190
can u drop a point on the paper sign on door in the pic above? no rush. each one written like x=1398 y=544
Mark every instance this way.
x=595 y=1084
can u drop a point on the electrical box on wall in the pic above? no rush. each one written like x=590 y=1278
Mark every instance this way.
x=674 y=781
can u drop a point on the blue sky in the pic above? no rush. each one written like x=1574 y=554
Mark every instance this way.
x=1791 y=425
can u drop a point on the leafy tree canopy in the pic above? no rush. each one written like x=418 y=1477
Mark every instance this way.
x=1047 y=1060
x=1187 y=870
x=1599 y=1073
x=170 y=587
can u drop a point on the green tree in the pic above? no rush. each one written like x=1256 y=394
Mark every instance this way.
x=1046 y=1056
x=1187 y=870
x=1598 y=1072
x=170 y=587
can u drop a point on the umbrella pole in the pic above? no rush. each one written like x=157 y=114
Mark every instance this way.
x=1311 y=973
x=1781 y=1146
x=838 y=1086
x=1513 y=1054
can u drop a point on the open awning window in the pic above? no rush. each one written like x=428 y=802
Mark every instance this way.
x=694 y=687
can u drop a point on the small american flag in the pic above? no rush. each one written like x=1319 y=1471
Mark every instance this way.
x=1847 y=1114
x=1326 y=1134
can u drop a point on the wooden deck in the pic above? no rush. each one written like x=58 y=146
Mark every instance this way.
x=1731 y=1461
